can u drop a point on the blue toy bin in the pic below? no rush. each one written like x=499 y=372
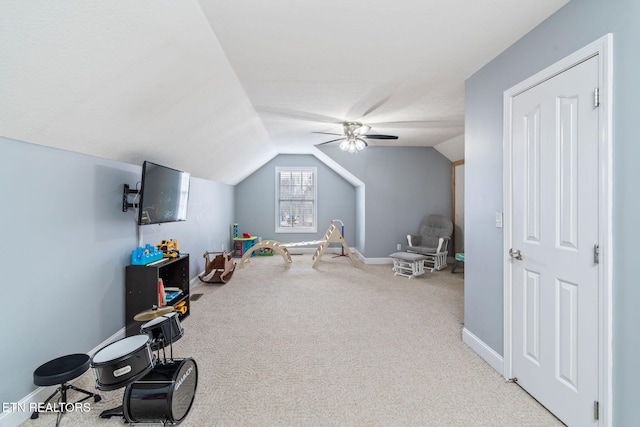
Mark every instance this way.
x=146 y=255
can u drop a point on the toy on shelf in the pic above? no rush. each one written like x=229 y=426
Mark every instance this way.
x=169 y=248
x=219 y=269
x=146 y=255
x=181 y=307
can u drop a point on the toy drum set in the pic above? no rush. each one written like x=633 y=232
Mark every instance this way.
x=157 y=389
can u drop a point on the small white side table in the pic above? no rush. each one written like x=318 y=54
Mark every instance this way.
x=408 y=264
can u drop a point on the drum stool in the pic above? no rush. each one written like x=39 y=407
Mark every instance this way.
x=60 y=371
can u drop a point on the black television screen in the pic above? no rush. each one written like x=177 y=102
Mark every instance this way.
x=164 y=194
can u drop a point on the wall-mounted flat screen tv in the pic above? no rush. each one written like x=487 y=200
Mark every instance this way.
x=164 y=194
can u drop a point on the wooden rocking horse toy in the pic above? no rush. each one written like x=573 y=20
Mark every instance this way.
x=219 y=269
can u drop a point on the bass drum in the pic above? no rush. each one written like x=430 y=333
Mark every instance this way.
x=164 y=395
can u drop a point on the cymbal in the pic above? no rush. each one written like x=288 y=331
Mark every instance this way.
x=152 y=313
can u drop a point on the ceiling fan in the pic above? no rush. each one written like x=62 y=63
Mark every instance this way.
x=353 y=138
x=354 y=134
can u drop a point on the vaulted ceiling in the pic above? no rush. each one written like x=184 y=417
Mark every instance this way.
x=218 y=88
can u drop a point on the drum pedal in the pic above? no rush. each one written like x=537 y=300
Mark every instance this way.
x=113 y=412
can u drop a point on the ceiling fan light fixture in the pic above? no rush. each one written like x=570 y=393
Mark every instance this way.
x=355 y=134
x=352 y=145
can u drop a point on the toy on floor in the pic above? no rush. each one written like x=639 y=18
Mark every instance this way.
x=219 y=269
x=332 y=235
x=459 y=258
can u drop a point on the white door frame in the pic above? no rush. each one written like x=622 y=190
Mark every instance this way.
x=603 y=48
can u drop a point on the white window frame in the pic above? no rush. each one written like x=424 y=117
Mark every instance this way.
x=296 y=229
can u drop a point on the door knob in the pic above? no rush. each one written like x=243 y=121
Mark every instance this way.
x=515 y=254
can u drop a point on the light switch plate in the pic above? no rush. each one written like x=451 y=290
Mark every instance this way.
x=498 y=219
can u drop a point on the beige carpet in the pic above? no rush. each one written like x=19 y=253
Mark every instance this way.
x=333 y=346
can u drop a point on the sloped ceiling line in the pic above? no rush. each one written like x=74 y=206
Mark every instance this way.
x=177 y=82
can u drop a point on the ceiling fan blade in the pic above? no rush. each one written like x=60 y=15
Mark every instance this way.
x=380 y=136
x=329 y=133
x=373 y=100
x=375 y=106
x=333 y=140
x=299 y=115
x=421 y=123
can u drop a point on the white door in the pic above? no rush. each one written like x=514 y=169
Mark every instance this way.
x=555 y=299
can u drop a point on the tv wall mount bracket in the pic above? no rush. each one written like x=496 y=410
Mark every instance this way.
x=125 y=198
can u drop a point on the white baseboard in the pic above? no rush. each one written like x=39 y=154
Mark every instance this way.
x=483 y=350
x=195 y=282
x=364 y=260
x=356 y=253
x=384 y=260
x=19 y=413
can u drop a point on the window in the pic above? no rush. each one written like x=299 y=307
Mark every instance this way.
x=296 y=207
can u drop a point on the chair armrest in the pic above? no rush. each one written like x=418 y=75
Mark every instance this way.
x=414 y=240
x=443 y=244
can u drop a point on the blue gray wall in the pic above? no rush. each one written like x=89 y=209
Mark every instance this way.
x=401 y=186
x=255 y=201
x=579 y=23
x=66 y=243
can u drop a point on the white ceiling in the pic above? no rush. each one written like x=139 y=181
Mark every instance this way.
x=218 y=88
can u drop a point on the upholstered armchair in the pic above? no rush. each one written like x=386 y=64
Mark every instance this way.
x=432 y=241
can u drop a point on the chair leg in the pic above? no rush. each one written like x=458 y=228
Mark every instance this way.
x=35 y=413
x=63 y=399
x=96 y=397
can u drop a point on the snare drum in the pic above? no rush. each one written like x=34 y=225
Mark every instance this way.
x=122 y=362
x=163 y=330
x=164 y=395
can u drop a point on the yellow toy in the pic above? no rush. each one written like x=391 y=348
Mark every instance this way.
x=181 y=307
x=169 y=248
